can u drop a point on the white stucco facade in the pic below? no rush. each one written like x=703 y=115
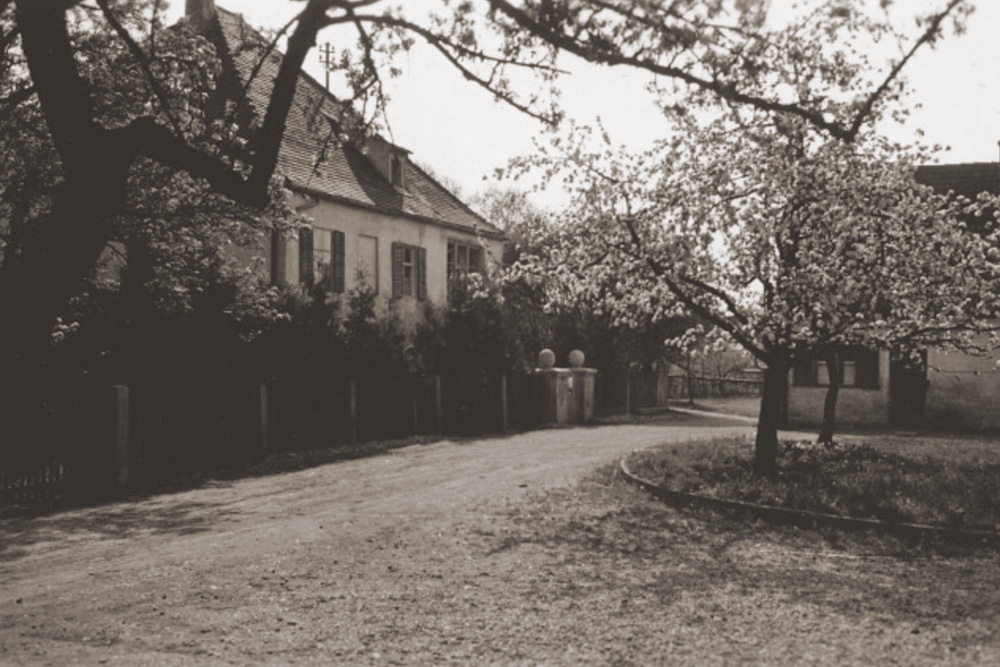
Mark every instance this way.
x=365 y=227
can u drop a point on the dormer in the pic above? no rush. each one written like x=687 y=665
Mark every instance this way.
x=390 y=160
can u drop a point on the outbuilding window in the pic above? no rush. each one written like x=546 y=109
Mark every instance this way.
x=860 y=370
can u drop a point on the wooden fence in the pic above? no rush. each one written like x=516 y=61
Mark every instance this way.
x=151 y=431
x=623 y=393
x=34 y=485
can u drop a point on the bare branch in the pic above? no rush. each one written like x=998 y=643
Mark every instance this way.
x=926 y=38
x=607 y=54
x=268 y=50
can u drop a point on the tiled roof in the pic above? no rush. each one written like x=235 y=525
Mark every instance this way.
x=967 y=179
x=313 y=158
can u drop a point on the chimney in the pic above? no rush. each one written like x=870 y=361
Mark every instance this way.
x=200 y=13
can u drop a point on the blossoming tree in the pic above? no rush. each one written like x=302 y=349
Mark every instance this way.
x=785 y=238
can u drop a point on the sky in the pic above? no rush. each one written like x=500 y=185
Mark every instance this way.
x=461 y=133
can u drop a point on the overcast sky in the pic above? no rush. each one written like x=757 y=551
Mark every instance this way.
x=460 y=132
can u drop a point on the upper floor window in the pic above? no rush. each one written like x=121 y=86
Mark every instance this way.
x=464 y=258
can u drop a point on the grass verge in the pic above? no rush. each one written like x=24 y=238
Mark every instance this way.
x=947 y=483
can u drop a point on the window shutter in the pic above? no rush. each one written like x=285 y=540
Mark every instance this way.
x=277 y=245
x=421 y=273
x=305 y=256
x=337 y=259
x=397 y=270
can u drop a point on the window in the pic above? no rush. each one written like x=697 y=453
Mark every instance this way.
x=860 y=370
x=321 y=265
x=850 y=378
x=321 y=258
x=409 y=271
x=464 y=258
x=368 y=261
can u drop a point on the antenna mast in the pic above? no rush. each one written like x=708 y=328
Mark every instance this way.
x=326 y=57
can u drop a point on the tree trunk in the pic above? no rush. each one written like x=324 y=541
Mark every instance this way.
x=690 y=381
x=34 y=290
x=835 y=371
x=765 y=457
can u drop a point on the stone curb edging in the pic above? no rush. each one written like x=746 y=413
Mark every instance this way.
x=806 y=519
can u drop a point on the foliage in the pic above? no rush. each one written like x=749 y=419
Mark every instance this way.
x=781 y=236
x=536 y=320
x=472 y=334
x=147 y=98
x=351 y=336
x=847 y=479
x=176 y=237
x=143 y=96
x=526 y=227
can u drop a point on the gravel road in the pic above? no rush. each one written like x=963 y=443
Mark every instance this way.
x=234 y=571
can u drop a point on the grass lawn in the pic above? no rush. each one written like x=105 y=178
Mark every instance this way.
x=745 y=406
x=603 y=574
x=947 y=482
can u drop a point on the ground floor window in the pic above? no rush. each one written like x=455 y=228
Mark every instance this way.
x=464 y=258
x=409 y=271
x=321 y=258
x=368 y=261
x=860 y=367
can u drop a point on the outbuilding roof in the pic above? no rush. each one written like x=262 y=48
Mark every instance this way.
x=967 y=179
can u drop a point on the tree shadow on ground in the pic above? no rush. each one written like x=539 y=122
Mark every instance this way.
x=614 y=532
x=117 y=521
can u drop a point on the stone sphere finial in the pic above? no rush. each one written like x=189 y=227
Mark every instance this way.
x=576 y=359
x=546 y=359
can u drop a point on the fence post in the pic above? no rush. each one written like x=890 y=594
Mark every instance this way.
x=262 y=407
x=438 y=405
x=503 y=402
x=353 y=392
x=628 y=393
x=413 y=404
x=119 y=432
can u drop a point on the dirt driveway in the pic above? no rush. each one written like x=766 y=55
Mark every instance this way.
x=231 y=572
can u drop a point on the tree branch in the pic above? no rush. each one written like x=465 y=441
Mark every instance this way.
x=697 y=307
x=926 y=38
x=144 y=136
x=143 y=61
x=599 y=52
